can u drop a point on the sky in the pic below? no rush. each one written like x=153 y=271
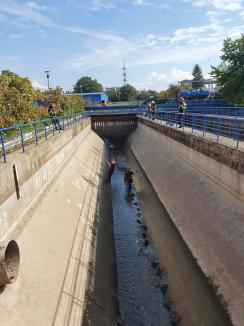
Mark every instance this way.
x=159 y=41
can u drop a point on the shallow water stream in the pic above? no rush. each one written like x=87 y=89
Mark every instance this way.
x=141 y=288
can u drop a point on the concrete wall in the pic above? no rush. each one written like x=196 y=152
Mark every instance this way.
x=36 y=167
x=194 y=189
x=223 y=163
x=55 y=230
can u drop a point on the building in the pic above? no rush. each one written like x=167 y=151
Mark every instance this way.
x=92 y=98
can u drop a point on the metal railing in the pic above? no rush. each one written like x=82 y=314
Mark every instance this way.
x=19 y=136
x=218 y=110
x=203 y=124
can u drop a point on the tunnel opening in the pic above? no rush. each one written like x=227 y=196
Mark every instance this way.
x=117 y=127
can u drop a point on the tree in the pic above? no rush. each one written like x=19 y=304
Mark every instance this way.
x=73 y=104
x=197 y=76
x=128 y=93
x=173 y=90
x=229 y=75
x=16 y=99
x=114 y=96
x=87 y=85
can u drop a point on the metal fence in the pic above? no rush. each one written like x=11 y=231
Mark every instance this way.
x=19 y=136
x=216 y=126
x=217 y=110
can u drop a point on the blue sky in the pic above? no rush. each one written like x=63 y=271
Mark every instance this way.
x=159 y=41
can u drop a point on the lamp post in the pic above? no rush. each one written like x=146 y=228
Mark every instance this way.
x=47 y=72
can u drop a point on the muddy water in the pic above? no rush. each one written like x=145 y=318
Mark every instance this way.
x=141 y=287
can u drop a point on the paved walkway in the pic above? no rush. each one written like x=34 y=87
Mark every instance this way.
x=210 y=136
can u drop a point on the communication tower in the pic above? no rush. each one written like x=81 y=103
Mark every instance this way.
x=124 y=75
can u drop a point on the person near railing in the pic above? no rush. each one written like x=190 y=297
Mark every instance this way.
x=181 y=110
x=53 y=116
x=104 y=104
x=153 y=109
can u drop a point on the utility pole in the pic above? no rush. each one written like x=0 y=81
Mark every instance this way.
x=124 y=75
x=47 y=72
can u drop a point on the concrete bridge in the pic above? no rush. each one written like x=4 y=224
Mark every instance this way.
x=61 y=217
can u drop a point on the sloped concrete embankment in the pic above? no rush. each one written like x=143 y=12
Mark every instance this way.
x=208 y=216
x=55 y=230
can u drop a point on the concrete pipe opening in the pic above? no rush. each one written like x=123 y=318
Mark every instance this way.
x=9 y=262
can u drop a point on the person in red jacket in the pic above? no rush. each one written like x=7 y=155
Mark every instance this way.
x=128 y=178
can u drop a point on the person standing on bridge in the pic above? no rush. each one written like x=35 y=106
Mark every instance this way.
x=181 y=110
x=104 y=104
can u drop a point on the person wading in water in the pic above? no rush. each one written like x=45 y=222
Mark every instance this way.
x=128 y=178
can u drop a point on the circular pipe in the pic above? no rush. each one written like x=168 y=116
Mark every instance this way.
x=9 y=261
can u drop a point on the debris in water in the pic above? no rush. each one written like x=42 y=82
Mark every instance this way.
x=144 y=227
x=146 y=242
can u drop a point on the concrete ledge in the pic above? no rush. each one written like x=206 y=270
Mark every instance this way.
x=223 y=163
x=209 y=218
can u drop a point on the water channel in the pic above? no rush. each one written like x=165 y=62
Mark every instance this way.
x=142 y=291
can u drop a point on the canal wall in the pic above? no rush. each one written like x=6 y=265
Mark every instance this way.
x=205 y=205
x=36 y=167
x=55 y=223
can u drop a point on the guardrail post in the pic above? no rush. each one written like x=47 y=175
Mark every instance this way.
x=204 y=126
x=45 y=129
x=218 y=128
x=36 y=135
x=192 y=124
x=63 y=121
x=3 y=147
x=22 y=139
x=237 y=131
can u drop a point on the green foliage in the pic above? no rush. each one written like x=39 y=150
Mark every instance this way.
x=114 y=96
x=145 y=94
x=197 y=75
x=229 y=75
x=87 y=85
x=16 y=99
x=128 y=93
x=73 y=104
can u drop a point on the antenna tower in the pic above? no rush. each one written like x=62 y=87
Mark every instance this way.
x=124 y=75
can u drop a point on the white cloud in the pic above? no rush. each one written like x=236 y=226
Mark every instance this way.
x=225 y=5
x=38 y=85
x=156 y=4
x=35 y=6
x=158 y=81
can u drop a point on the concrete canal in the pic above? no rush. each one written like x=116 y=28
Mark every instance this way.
x=141 y=286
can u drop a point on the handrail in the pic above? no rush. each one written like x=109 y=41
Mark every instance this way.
x=20 y=135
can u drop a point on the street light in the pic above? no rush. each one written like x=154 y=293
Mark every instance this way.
x=47 y=72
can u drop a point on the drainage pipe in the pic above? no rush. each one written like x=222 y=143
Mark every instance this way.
x=9 y=261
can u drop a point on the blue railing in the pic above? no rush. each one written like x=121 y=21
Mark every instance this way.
x=19 y=136
x=216 y=126
x=196 y=108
